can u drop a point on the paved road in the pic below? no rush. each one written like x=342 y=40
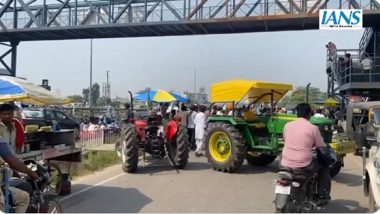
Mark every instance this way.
x=159 y=188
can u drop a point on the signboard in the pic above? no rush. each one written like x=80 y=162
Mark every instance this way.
x=347 y=19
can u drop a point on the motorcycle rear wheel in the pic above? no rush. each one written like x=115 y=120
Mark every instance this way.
x=55 y=206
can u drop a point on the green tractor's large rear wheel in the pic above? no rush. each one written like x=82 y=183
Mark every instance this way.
x=129 y=149
x=225 y=147
x=260 y=160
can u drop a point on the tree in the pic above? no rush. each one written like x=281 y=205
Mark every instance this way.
x=286 y=100
x=299 y=96
x=76 y=98
x=144 y=91
x=95 y=93
x=102 y=101
x=85 y=93
x=116 y=104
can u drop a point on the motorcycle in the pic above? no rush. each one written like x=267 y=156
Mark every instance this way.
x=296 y=190
x=41 y=199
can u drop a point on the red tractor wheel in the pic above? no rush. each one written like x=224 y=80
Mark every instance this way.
x=129 y=149
x=178 y=148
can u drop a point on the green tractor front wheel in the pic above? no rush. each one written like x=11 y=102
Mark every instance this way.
x=225 y=147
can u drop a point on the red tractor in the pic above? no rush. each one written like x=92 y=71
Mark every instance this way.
x=150 y=137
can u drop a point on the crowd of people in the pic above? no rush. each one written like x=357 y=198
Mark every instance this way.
x=194 y=118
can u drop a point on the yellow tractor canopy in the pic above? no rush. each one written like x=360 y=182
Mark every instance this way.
x=258 y=91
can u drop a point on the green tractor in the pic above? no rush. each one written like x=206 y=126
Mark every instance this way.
x=254 y=135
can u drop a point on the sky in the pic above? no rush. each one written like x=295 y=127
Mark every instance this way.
x=296 y=57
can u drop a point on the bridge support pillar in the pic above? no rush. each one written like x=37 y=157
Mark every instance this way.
x=12 y=52
x=14 y=45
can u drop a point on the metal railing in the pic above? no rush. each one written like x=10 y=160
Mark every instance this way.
x=368 y=33
x=91 y=140
x=356 y=73
x=35 y=14
x=353 y=71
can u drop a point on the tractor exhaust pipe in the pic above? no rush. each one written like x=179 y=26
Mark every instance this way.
x=307 y=92
x=131 y=100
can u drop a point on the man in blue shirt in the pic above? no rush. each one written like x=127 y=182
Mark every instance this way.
x=20 y=197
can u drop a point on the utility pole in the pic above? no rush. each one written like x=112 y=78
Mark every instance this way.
x=195 y=85
x=107 y=88
x=90 y=91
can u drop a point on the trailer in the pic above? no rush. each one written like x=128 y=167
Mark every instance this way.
x=62 y=153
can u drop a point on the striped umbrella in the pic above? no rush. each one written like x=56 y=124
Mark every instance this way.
x=16 y=89
x=156 y=96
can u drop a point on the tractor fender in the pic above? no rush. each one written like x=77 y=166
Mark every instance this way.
x=140 y=126
x=171 y=130
x=372 y=177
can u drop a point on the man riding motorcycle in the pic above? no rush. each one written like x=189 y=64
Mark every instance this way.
x=301 y=137
x=20 y=197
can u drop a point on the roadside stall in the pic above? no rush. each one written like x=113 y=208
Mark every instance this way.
x=40 y=143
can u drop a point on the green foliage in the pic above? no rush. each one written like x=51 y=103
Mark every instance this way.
x=299 y=96
x=285 y=101
x=95 y=93
x=102 y=101
x=95 y=161
x=116 y=104
x=85 y=93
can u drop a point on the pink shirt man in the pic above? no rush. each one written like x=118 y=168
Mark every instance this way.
x=300 y=138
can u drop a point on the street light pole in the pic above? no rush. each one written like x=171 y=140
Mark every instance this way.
x=195 y=85
x=107 y=89
x=90 y=91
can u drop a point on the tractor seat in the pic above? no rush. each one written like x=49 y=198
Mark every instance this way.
x=250 y=117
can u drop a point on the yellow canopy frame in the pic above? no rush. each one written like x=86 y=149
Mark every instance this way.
x=257 y=91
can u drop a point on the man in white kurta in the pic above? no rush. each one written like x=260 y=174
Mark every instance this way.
x=200 y=126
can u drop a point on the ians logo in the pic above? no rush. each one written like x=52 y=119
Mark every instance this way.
x=340 y=19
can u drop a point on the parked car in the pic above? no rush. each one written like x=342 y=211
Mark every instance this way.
x=46 y=116
x=372 y=173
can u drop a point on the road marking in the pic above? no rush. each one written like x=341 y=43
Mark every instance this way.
x=91 y=187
